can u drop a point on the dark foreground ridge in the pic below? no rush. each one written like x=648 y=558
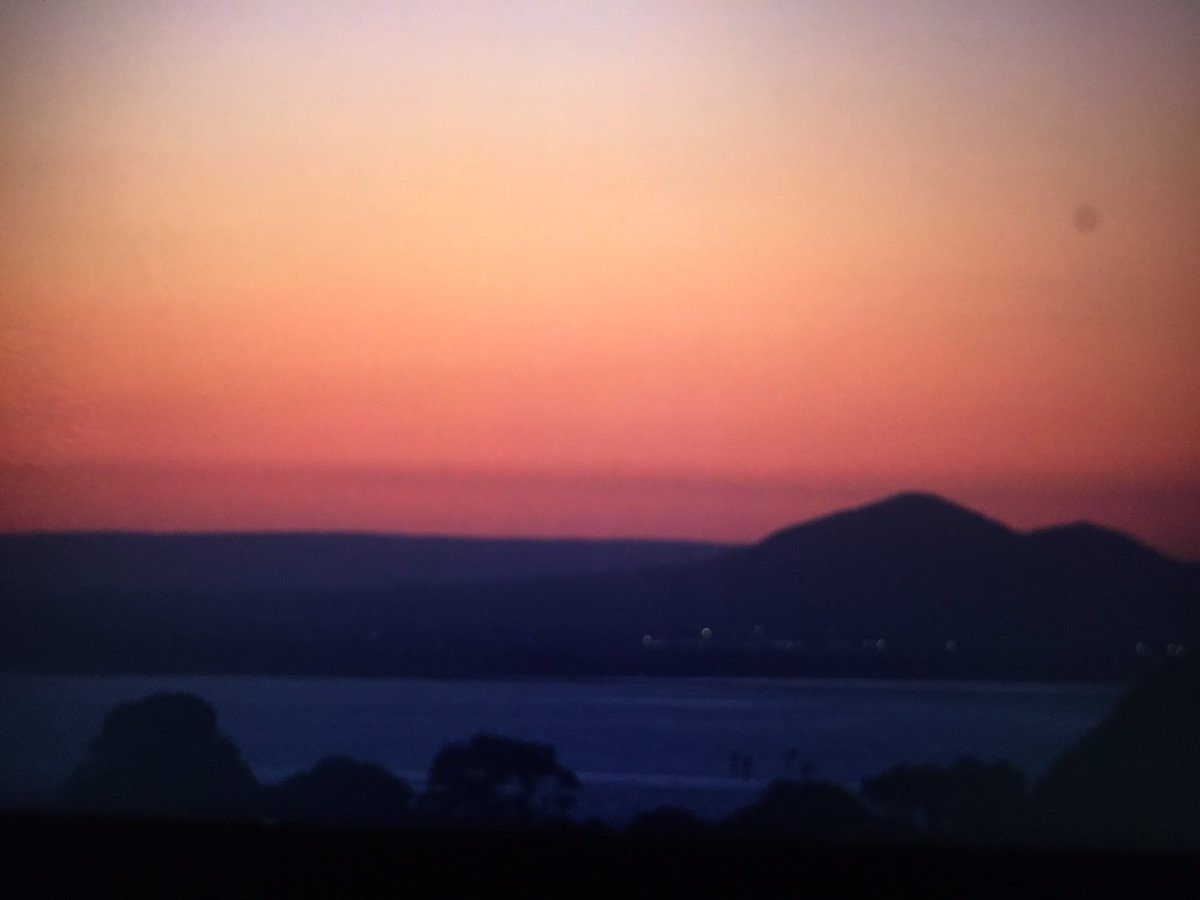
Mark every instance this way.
x=912 y=586
x=157 y=859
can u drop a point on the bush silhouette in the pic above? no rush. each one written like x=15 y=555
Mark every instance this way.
x=163 y=757
x=969 y=800
x=811 y=810
x=991 y=801
x=341 y=791
x=497 y=780
x=919 y=795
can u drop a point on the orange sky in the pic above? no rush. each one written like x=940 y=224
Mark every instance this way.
x=681 y=269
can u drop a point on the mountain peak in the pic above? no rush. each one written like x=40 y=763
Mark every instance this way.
x=915 y=501
x=907 y=518
x=922 y=509
x=1089 y=539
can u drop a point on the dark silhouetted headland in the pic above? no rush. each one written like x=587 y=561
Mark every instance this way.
x=1133 y=779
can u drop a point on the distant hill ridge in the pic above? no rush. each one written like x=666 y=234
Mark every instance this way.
x=66 y=561
x=925 y=516
x=70 y=561
x=912 y=585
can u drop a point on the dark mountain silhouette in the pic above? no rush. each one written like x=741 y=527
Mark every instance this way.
x=1093 y=546
x=910 y=586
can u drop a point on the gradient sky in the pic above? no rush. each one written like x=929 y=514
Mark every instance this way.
x=676 y=269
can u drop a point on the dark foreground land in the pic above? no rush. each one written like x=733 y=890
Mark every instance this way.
x=49 y=856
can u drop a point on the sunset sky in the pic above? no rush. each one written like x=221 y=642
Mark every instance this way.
x=616 y=269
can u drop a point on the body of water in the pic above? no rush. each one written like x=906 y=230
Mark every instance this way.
x=635 y=743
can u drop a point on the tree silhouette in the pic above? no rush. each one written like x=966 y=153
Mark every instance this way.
x=163 y=757
x=341 y=791
x=498 y=780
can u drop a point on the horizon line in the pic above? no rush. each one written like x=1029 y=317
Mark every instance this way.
x=573 y=538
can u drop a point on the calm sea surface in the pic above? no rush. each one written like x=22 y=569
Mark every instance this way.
x=635 y=743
